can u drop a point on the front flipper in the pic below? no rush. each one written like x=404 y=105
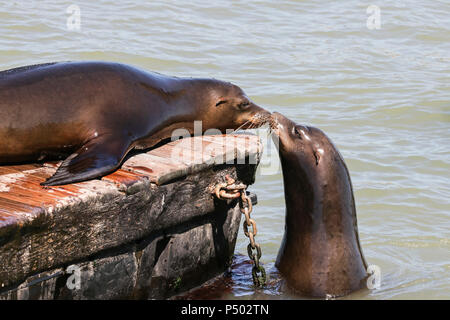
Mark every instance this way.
x=94 y=159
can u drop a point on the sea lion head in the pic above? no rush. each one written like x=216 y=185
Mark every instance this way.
x=306 y=147
x=312 y=165
x=230 y=108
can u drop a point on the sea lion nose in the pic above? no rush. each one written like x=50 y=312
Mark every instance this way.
x=260 y=109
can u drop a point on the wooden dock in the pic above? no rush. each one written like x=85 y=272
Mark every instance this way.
x=149 y=230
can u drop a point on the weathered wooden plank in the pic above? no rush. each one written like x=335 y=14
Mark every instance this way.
x=124 y=178
x=51 y=226
x=169 y=162
x=155 y=168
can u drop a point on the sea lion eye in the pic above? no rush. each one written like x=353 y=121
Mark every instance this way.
x=221 y=102
x=297 y=133
x=242 y=105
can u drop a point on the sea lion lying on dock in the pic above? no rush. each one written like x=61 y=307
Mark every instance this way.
x=94 y=113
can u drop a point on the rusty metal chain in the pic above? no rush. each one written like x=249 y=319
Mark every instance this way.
x=230 y=190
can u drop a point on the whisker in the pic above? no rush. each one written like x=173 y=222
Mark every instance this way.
x=251 y=126
x=240 y=127
x=254 y=122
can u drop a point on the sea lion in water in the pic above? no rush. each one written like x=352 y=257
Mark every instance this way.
x=96 y=112
x=320 y=253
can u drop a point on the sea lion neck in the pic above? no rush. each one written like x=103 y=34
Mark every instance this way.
x=318 y=196
x=207 y=88
x=167 y=86
x=301 y=193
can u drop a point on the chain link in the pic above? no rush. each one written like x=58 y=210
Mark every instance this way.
x=230 y=190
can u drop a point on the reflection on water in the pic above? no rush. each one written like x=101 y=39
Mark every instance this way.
x=238 y=283
x=382 y=95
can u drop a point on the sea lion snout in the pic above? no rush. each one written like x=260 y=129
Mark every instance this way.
x=302 y=139
x=259 y=115
x=281 y=124
x=288 y=135
x=250 y=116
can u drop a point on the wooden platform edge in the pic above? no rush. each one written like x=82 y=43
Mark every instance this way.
x=41 y=228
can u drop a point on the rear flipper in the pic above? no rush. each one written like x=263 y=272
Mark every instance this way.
x=94 y=159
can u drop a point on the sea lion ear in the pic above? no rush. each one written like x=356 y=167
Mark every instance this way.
x=316 y=156
x=221 y=102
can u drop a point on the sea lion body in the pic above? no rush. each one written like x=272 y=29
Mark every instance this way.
x=320 y=253
x=96 y=112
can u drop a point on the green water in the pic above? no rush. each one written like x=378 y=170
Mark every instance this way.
x=382 y=95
